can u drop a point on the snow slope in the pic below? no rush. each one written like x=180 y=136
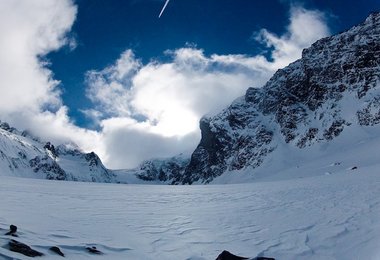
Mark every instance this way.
x=332 y=216
x=357 y=147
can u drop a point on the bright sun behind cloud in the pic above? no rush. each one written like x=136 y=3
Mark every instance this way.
x=179 y=123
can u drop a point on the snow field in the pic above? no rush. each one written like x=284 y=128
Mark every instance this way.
x=323 y=217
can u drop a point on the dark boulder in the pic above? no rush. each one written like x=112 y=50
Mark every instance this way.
x=225 y=255
x=24 y=249
x=94 y=250
x=12 y=231
x=56 y=250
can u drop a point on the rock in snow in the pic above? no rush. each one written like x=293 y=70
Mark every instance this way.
x=57 y=250
x=94 y=250
x=225 y=255
x=22 y=248
x=12 y=231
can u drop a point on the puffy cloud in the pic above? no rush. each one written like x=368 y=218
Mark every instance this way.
x=30 y=29
x=306 y=26
x=30 y=97
x=127 y=142
x=57 y=127
x=153 y=110
x=109 y=86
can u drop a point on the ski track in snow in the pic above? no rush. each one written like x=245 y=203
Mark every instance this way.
x=325 y=217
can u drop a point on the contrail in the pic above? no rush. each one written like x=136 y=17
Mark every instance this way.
x=163 y=8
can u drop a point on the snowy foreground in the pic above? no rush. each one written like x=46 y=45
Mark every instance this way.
x=334 y=216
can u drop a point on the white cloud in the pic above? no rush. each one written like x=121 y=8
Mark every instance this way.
x=153 y=110
x=109 y=86
x=30 y=97
x=306 y=26
x=127 y=142
x=30 y=29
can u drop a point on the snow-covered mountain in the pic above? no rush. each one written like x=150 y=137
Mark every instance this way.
x=334 y=87
x=315 y=109
x=23 y=155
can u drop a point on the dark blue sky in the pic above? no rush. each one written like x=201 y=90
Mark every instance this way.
x=104 y=29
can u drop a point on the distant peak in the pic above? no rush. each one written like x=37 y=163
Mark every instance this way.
x=373 y=18
x=374 y=14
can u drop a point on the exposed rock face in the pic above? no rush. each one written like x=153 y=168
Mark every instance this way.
x=57 y=250
x=98 y=172
x=49 y=167
x=225 y=255
x=22 y=248
x=333 y=86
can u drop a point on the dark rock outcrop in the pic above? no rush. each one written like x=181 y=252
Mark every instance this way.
x=225 y=255
x=24 y=249
x=49 y=167
x=94 y=250
x=12 y=231
x=57 y=250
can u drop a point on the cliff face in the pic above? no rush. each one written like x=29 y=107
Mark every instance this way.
x=334 y=86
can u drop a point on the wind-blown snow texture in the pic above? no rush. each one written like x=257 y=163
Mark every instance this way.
x=23 y=155
x=333 y=87
x=334 y=216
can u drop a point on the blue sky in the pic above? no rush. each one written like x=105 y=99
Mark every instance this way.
x=113 y=78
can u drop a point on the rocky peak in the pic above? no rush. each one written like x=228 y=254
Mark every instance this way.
x=51 y=149
x=310 y=101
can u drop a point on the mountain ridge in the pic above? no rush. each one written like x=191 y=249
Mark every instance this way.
x=23 y=155
x=305 y=103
